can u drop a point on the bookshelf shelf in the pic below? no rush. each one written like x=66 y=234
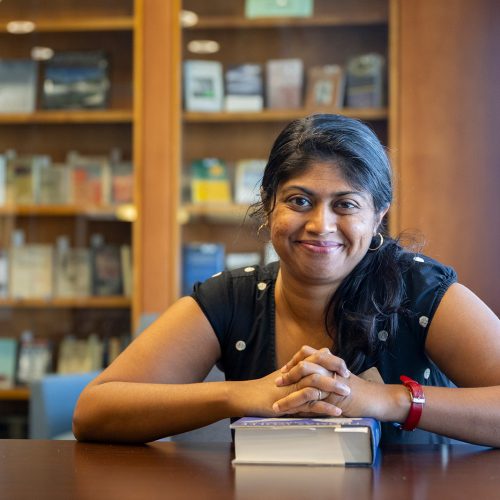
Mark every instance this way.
x=15 y=394
x=71 y=116
x=112 y=213
x=230 y=212
x=231 y=22
x=78 y=24
x=112 y=302
x=281 y=115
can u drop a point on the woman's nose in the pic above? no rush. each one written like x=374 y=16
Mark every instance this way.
x=322 y=221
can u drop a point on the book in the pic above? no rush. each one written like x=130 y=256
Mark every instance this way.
x=80 y=355
x=35 y=358
x=276 y=8
x=284 y=83
x=3 y=179
x=122 y=182
x=31 y=271
x=8 y=358
x=365 y=81
x=23 y=178
x=311 y=441
x=325 y=87
x=210 y=181
x=89 y=179
x=76 y=80
x=203 y=85
x=106 y=265
x=53 y=184
x=126 y=266
x=200 y=261
x=18 y=85
x=244 y=88
x=4 y=273
x=248 y=178
x=72 y=272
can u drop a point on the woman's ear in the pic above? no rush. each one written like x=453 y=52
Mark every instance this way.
x=379 y=217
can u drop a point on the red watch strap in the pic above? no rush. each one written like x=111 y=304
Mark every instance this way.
x=417 y=403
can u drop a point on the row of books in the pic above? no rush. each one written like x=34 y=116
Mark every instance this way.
x=70 y=80
x=209 y=87
x=201 y=260
x=30 y=358
x=44 y=271
x=81 y=180
x=211 y=181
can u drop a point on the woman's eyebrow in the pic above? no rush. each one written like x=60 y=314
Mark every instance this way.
x=312 y=193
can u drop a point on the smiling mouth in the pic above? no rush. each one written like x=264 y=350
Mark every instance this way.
x=318 y=246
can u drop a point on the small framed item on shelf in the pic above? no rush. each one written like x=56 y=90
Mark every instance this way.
x=203 y=86
x=76 y=80
x=8 y=361
x=325 y=87
x=284 y=83
x=244 y=88
x=18 y=85
x=210 y=181
x=365 y=86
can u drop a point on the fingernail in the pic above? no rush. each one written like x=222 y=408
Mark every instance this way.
x=338 y=411
x=346 y=374
x=345 y=390
x=276 y=408
x=284 y=369
x=279 y=380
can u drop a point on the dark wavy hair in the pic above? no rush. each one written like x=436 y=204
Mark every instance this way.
x=369 y=299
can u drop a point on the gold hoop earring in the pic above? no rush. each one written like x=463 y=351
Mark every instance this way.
x=373 y=249
x=261 y=227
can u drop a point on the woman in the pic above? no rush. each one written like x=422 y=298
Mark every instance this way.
x=292 y=337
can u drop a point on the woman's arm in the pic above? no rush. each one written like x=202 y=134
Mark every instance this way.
x=153 y=388
x=463 y=340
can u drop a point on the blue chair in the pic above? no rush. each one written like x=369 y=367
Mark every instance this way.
x=52 y=401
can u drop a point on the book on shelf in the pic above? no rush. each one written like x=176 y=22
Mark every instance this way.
x=35 y=358
x=23 y=178
x=106 y=265
x=18 y=85
x=3 y=179
x=31 y=271
x=72 y=272
x=8 y=360
x=365 y=81
x=308 y=441
x=284 y=83
x=4 y=273
x=78 y=355
x=53 y=188
x=76 y=80
x=89 y=179
x=122 y=182
x=325 y=87
x=244 y=87
x=126 y=266
x=278 y=8
x=248 y=177
x=203 y=85
x=210 y=181
x=200 y=261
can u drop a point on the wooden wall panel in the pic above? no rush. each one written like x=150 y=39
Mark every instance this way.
x=449 y=149
x=158 y=141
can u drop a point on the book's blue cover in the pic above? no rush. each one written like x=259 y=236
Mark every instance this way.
x=200 y=261
x=338 y=422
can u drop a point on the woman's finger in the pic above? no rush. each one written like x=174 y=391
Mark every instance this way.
x=301 y=370
x=306 y=400
x=322 y=357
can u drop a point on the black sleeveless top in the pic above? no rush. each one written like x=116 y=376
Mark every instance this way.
x=240 y=307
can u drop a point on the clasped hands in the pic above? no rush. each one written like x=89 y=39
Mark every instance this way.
x=321 y=384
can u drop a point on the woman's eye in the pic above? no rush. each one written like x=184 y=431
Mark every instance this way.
x=299 y=201
x=346 y=205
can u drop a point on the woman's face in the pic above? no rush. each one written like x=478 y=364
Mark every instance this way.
x=321 y=226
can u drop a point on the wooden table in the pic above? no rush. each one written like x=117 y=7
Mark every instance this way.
x=70 y=470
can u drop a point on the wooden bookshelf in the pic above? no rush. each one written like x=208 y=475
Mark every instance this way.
x=71 y=116
x=15 y=394
x=108 y=302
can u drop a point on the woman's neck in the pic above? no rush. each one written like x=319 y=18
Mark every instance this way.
x=303 y=303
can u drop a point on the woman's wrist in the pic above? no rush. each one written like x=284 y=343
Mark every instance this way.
x=397 y=404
